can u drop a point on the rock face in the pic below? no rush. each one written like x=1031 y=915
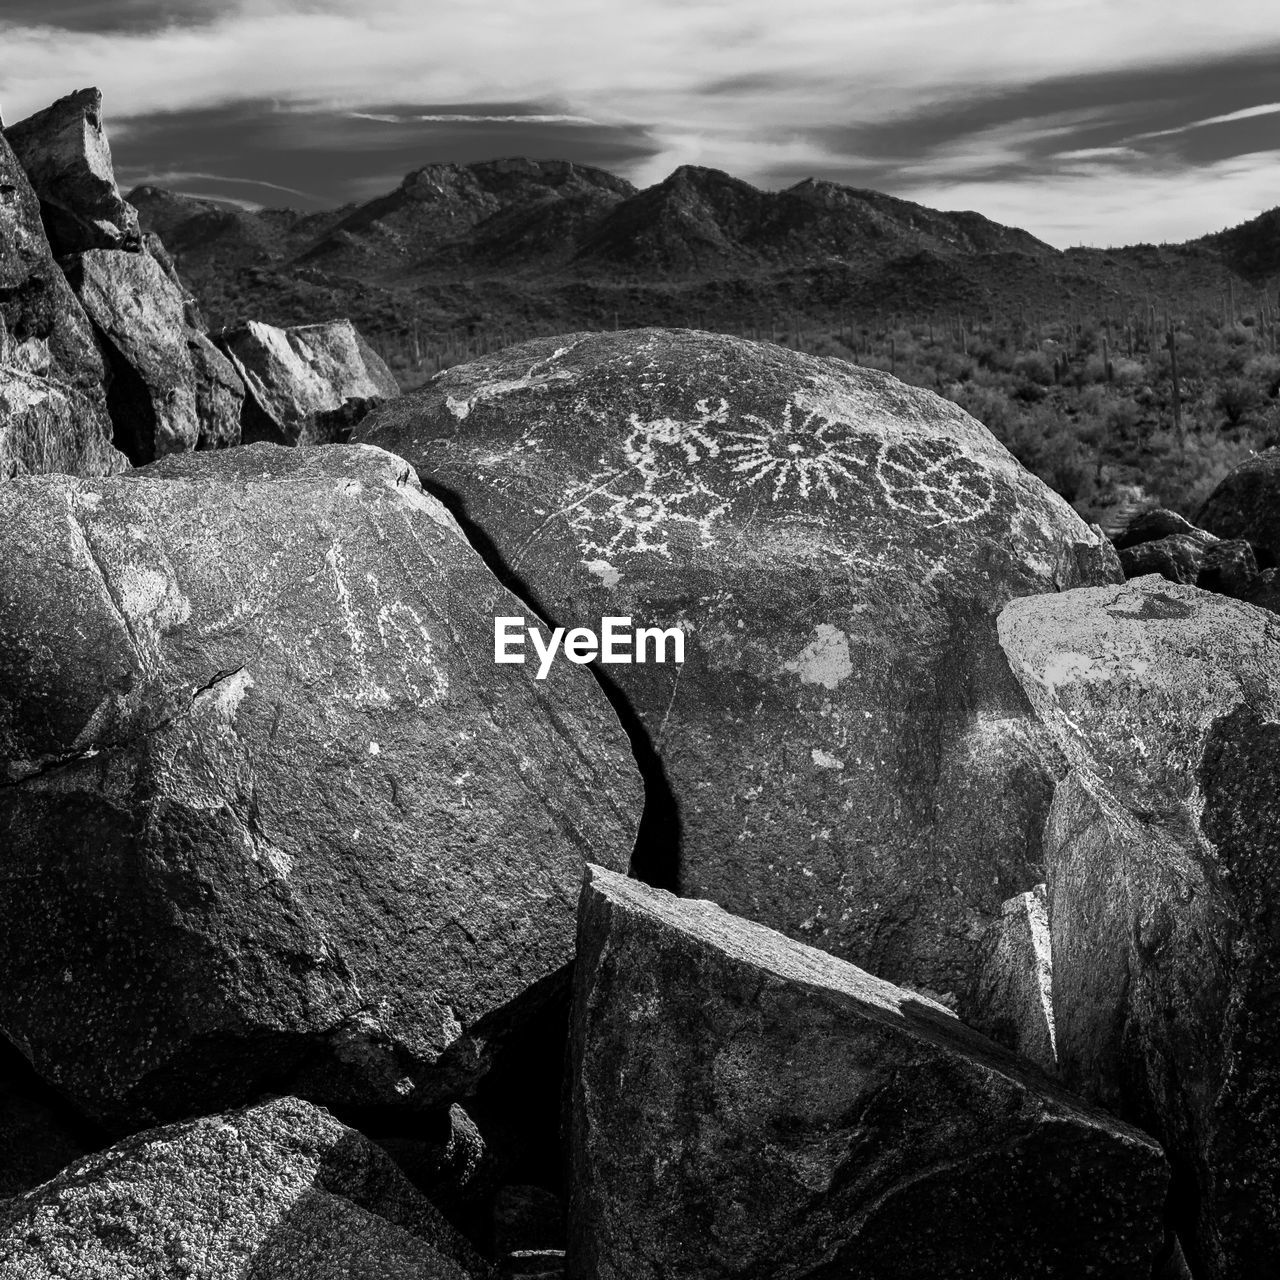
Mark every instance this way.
x=278 y=1191
x=1161 y=859
x=46 y=425
x=1246 y=504
x=139 y=314
x=848 y=758
x=66 y=156
x=307 y=385
x=271 y=812
x=45 y=330
x=744 y=1105
x=219 y=393
x=1017 y=979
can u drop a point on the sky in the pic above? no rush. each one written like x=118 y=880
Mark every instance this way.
x=1082 y=121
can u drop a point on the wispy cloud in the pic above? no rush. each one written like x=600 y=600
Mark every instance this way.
x=459 y=117
x=954 y=95
x=1230 y=117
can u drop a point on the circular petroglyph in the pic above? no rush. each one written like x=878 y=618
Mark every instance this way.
x=681 y=474
x=933 y=479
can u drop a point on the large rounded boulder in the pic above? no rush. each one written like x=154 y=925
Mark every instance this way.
x=1246 y=504
x=843 y=754
x=270 y=814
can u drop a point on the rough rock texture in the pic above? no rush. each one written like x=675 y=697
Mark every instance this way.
x=46 y=425
x=848 y=757
x=1246 y=504
x=47 y=329
x=65 y=153
x=1017 y=979
x=1161 y=857
x=744 y=1105
x=219 y=394
x=278 y=1191
x=307 y=385
x=1178 y=557
x=272 y=813
x=139 y=316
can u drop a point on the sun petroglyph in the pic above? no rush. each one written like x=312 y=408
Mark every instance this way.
x=682 y=474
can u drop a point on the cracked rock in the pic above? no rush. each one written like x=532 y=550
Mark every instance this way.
x=844 y=754
x=744 y=1105
x=272 y=813
x=278 y=1191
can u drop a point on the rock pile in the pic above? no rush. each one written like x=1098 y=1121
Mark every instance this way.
x=122 y=357
x=1240 y=564
x=948 y=944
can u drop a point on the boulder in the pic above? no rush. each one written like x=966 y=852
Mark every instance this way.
x=1156 y=524
x=139 y=317
x=65 y=154
x=47 y=425
x=744 y=1105
x=1178 y=557
x=843 y=754
x=277 y=1191
x=309 y=384
x=1016 y=979
x=1163 y=542
x=47 y=331
x=219 y=393
x=1161 y=863
x=271 y=813
x=1246 y=504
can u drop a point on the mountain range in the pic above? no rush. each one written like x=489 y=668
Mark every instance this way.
x=527 y=244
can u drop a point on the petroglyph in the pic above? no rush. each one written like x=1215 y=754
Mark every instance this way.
x=681 y=476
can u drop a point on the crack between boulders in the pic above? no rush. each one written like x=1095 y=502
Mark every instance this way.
x=655 y=855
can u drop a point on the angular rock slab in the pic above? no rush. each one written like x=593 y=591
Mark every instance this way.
x=1246 y=504
x=277 y=1191
x=46 y=426
x=850 y=759
x=65 y=153
x=272 y=814
x=37 y=308
x=1161 y=856
x=1017 y=979
x=140 y=316
x=744 y=1105
x=309 y=384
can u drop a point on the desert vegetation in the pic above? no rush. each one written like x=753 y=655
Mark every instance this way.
x=1114 y=412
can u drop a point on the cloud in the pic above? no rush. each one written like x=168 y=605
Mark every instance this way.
x=954 y=94
x=1231 y=117
x=460 y=117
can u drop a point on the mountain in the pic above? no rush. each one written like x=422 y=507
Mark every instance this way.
x=522 y=245
x=1252 y=249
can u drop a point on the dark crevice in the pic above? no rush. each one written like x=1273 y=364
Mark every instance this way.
x=129 y=405
x=655 y=859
